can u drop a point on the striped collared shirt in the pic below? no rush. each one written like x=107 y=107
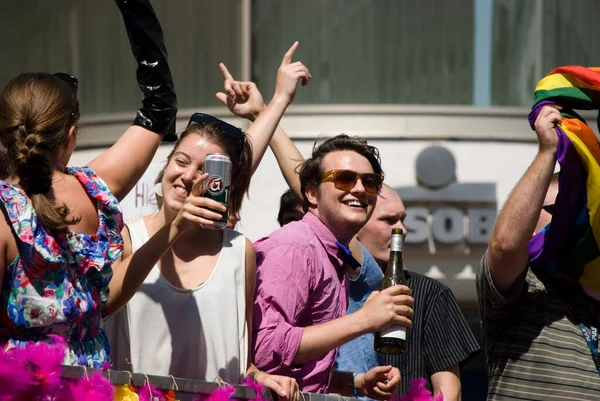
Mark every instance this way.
x=440 y=337
x=535 y=349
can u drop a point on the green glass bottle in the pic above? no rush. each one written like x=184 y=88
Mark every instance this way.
x=392 y=340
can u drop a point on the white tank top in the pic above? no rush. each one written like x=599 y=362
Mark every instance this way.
x=199 y=333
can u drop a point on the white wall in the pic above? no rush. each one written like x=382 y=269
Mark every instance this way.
x=499 y=162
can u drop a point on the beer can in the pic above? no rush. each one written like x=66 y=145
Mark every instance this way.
x=218 y=184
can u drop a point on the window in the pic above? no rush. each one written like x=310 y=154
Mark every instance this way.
x=87 y=39
x=374 y=52
x=531 y=38
x=359 y=51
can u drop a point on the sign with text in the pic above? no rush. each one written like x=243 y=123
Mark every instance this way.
x=449 y=223
x=142 y=199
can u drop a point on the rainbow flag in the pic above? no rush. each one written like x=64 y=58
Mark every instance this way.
x=569 y=246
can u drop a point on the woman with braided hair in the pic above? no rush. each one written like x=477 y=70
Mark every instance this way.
x=61 y=230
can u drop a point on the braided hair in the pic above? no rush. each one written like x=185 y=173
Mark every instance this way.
x=37 y=111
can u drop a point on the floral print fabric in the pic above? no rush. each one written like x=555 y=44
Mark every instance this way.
x=58 y=282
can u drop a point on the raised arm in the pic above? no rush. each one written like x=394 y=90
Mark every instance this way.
x=245 y=100
x=289 y=160
x=508 y=253
x=125 y=162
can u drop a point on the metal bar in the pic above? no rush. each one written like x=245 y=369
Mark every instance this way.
x=188 y=386
x=482 y=54
x=246 y=31
x=160 y=382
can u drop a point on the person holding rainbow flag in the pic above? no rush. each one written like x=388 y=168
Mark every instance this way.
x=539 y=281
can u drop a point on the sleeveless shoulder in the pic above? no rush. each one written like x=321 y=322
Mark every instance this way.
x=106 y=246
x=233 y=235
x=137 y=232
x=98 y=190
x=235 y=240
x=36 y=245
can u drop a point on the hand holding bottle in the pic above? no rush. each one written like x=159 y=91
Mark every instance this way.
x=392 y=340
x=390 y=306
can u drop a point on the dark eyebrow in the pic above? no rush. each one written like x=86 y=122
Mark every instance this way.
x=180 y=153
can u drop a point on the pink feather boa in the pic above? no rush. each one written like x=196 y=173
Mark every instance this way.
x=418 y=392
x=224 y=393
x=35 y=373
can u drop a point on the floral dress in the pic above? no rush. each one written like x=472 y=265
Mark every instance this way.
x=58 y=283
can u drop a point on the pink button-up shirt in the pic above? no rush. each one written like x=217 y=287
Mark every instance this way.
x=300 y=282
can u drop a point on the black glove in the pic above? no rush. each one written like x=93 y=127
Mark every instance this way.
x=159 y=106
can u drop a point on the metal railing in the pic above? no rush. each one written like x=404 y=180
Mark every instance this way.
x=185 y=386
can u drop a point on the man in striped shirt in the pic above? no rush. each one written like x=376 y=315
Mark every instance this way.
x=534 y=345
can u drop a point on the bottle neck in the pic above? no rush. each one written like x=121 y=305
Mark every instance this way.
x=395 y=267
x=397 y=243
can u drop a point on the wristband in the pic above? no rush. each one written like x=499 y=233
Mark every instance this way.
x=354 y=391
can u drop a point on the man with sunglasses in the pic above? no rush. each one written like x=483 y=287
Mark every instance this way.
x=533 y=323
x=302 y=286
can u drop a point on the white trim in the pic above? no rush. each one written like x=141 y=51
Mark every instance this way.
x=309 y=122
x=335 y=109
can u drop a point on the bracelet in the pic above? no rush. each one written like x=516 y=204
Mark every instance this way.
x=354 y=391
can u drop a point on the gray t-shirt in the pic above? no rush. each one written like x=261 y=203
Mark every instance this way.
x=535 y=349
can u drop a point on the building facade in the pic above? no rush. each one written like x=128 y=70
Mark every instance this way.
x=441 y=87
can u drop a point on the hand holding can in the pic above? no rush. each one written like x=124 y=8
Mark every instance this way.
x=198 y=209
x=218 y=184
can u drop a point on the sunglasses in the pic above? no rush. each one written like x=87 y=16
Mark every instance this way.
x=345 y=180
x=74 y=85
x=549 y=209
x=226 y=128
